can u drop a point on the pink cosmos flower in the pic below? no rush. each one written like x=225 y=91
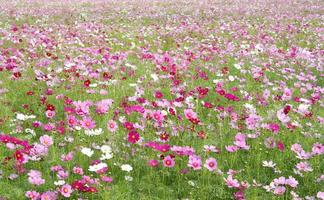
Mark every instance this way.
x=231 y=148
x=240 y=141
x=33 y=195
x=66 y=190
x=48 y=127
x=168 y=162
x=103 y=106
x=292 y=182
x=211 y=164
x=106 y=179
x=82 y=108
x=194 y=162
x=253 y=121
x=232 y=183
x=49 y=195
x=78 y=170
x=62 y=174
x=88 y=123
x=183 y=150
x=320 y=195
x=153 y=163
x=318 y=149
x=158 y=116
x=304 y=166
x=112 y=126
x=296 y=148
x=35 y=177
x=50 y=114
x=287 y=94
x=46 y=140
x=279 y=190
x=67 y=157
x=190 y=114
x=38 y=150
x=72 y=120
x=211 y=148
x=274 y=128
x=282 y=116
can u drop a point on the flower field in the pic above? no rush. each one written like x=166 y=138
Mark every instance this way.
x=161 y=99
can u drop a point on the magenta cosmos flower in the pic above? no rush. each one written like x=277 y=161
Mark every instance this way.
x=211 y=164
x=153 y=163
x=133 y=137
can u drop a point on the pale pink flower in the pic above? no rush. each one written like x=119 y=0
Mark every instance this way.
x=66 y=190
x=46 y=140
x=194 y=162
x=112 y=126
x=211 y=164
x=33 y=195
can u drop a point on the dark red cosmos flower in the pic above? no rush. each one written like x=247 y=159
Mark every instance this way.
x=172 y=111
x=19 y=156
x=17 y=74
x=201 y=135
x=225 y=70
x=202 y=92
x=287 y=109
x=43 y=99
x=30 y=93
x=154 y=104
x=164 y=137
x=106 y=76
x=77 y=185
x=194 y=120
x=87 y=83
x=50 y=107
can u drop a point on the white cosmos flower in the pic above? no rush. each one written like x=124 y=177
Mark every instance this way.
x=126 y=167
x=155 y=77
x=93 y=132
x=23 y=117
x=237 y=66
x=59 y=182
x=106 y=156
x=268 y=164
x=87 y=151
x=97 y=167
x=31 y=131
x=128 y=178
x=105 y=149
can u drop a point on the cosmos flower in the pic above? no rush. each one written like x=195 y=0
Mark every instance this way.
x=133 y=137
x=168 y=162
x=211 y=164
